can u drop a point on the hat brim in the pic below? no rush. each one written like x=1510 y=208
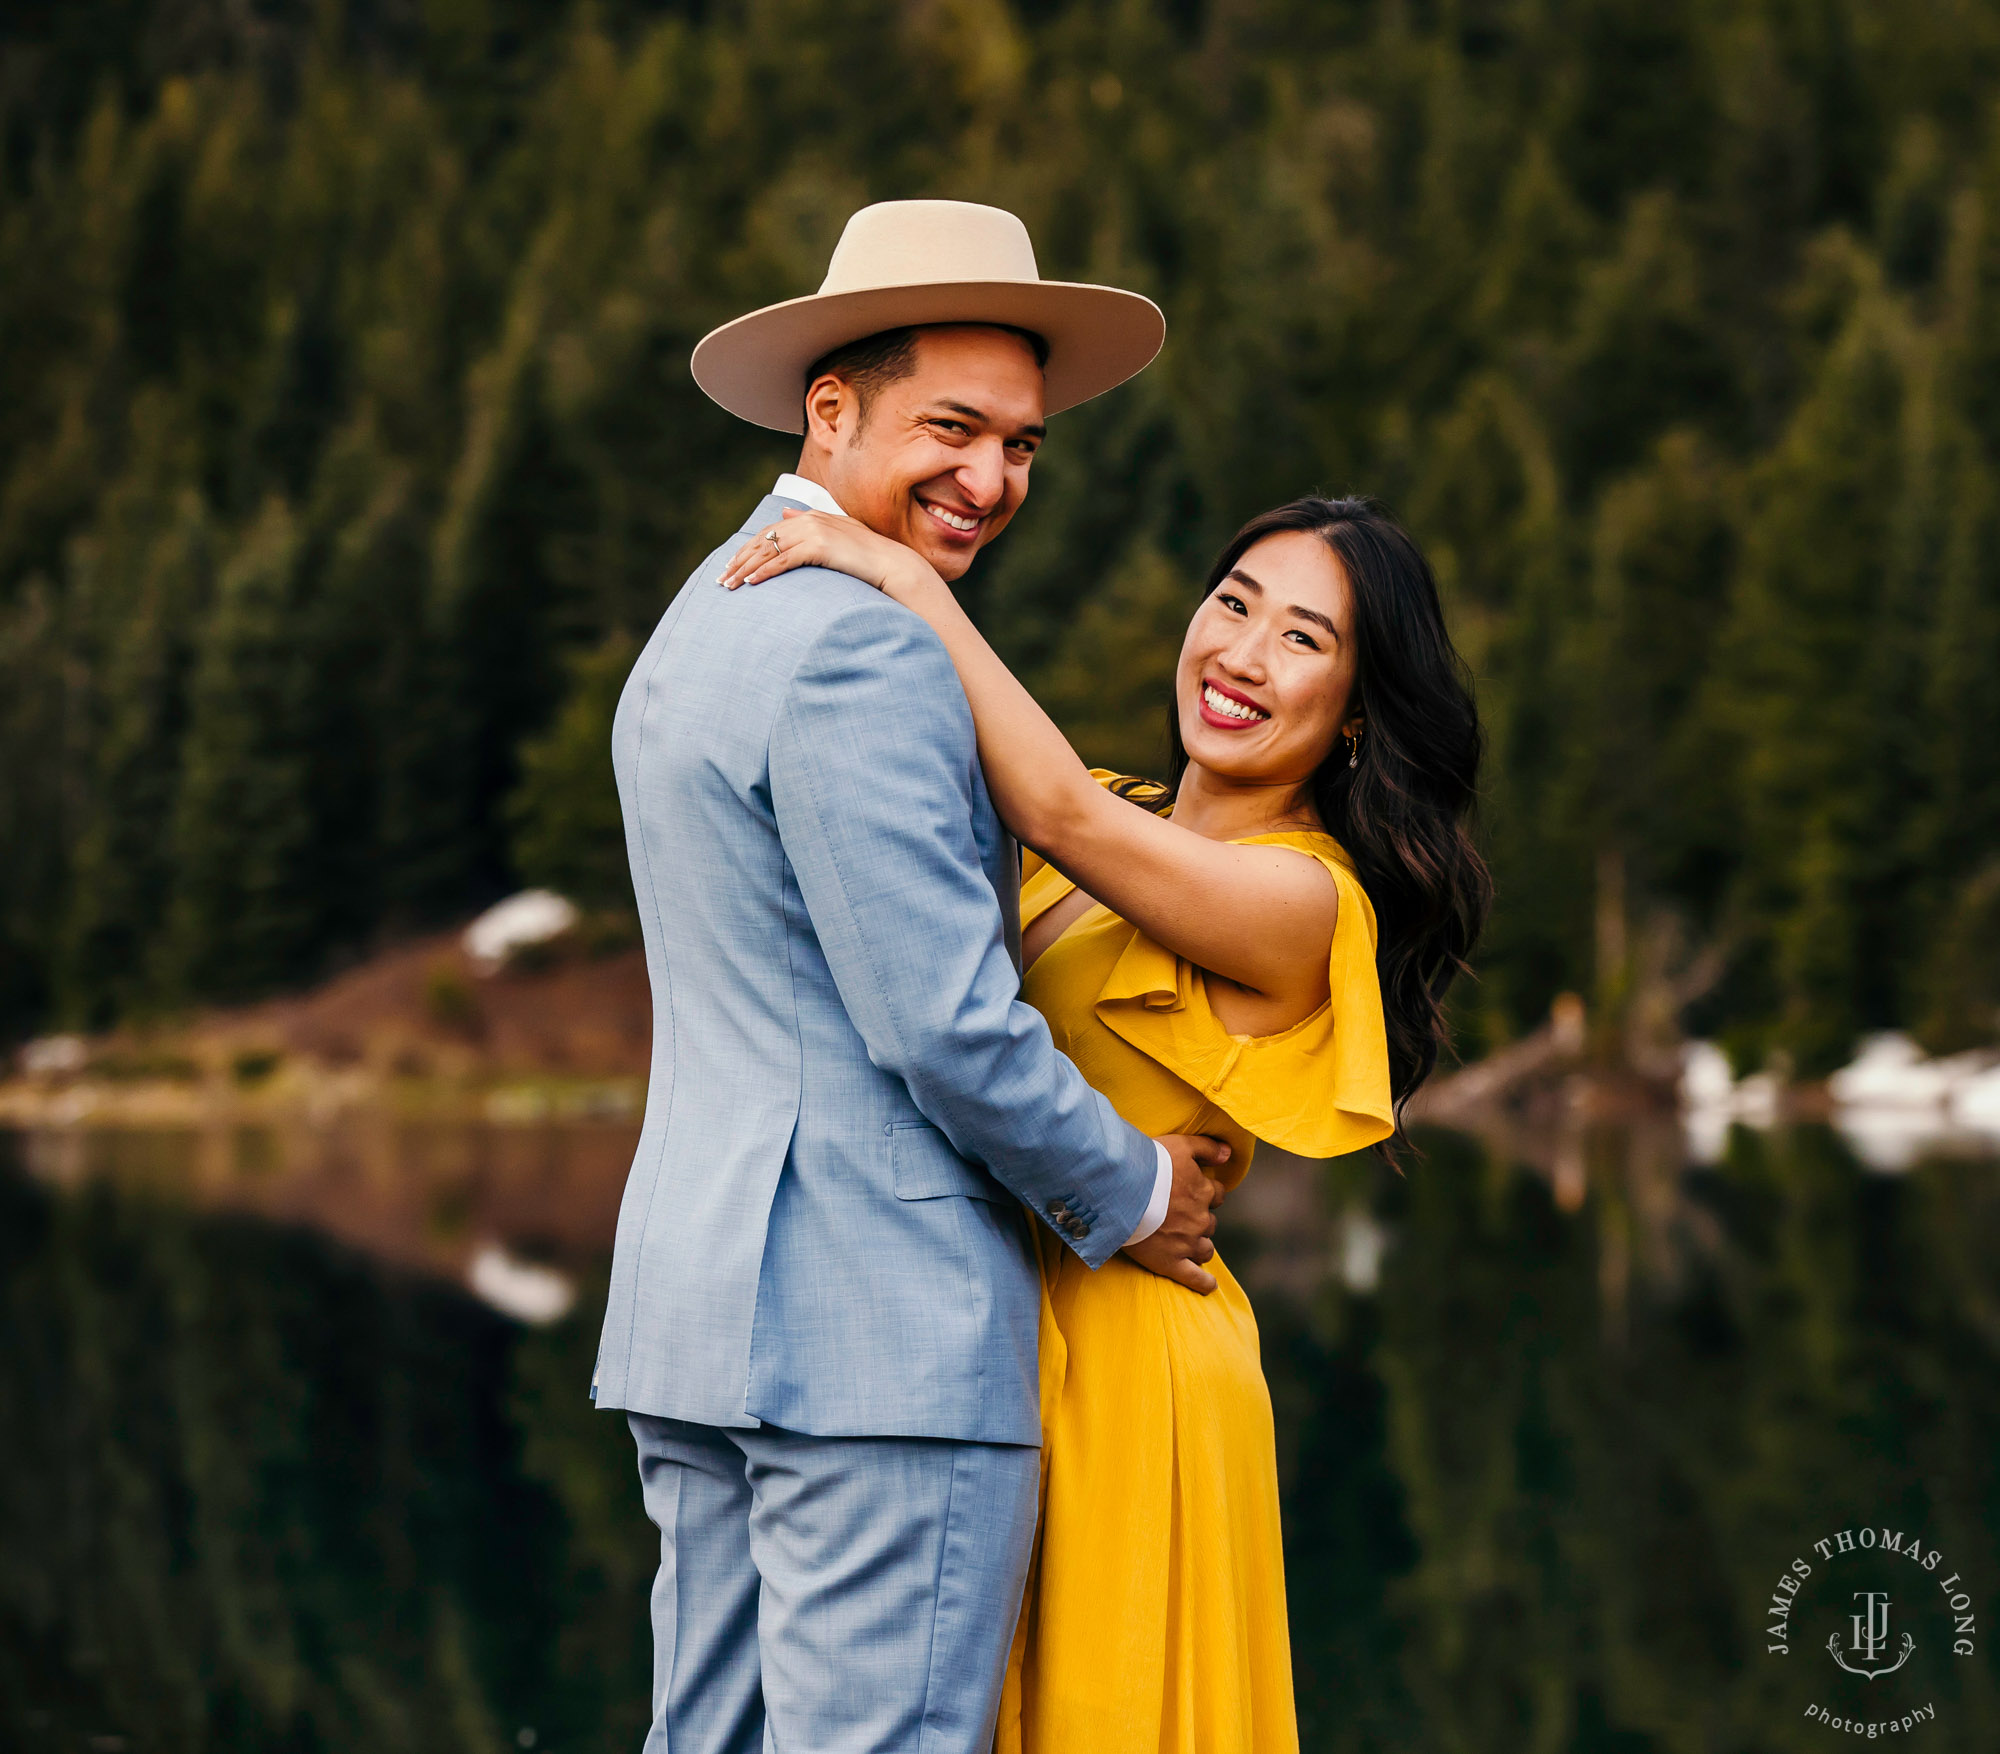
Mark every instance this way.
x=1098 y=337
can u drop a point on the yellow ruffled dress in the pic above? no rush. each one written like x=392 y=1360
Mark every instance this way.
x=1155 y=1613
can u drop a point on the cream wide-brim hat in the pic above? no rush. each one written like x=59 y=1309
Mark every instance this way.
x=903 y=263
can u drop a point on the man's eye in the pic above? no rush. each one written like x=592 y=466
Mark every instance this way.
x=955 y=426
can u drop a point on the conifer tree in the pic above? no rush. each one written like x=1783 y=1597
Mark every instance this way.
x=242 y=916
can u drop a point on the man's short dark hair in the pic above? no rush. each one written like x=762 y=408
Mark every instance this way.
x=875 y=362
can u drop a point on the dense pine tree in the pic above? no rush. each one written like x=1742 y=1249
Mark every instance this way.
x=344 y=350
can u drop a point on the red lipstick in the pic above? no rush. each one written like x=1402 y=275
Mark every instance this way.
x=1225 y=721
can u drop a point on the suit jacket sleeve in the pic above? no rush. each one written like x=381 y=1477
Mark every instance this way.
x=872 y=775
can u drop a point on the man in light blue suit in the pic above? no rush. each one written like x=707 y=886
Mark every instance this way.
x=824 y=1297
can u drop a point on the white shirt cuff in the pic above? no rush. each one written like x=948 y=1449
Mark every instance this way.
x=1156 y=1207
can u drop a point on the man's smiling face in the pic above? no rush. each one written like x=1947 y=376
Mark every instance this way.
x=937 y=460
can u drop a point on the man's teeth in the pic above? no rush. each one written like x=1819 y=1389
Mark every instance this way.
x=951 y=518
x=1230 y=709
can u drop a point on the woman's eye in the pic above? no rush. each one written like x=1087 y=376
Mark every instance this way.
x=1231 y=602
x=1304 y=639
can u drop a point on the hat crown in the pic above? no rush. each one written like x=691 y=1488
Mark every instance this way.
x=929 y=243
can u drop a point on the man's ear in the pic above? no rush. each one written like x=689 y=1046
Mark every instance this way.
x=833 y=409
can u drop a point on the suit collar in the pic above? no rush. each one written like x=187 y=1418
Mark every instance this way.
x=770 y=510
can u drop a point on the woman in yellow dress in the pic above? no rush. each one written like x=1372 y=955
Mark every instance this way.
x=1210 y=957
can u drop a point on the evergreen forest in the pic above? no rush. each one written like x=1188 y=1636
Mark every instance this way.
x=348 y=447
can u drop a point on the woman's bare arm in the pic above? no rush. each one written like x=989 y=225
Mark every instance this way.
x=1262 y=916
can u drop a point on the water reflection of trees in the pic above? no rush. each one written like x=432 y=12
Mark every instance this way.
x=261 y=1493
x=1540 y=1500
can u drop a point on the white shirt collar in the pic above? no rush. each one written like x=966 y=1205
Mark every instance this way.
x=807 y=493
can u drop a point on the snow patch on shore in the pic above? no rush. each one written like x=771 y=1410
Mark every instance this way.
x=1892 y=1102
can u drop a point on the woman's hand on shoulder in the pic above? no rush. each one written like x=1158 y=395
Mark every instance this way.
x=837 y=543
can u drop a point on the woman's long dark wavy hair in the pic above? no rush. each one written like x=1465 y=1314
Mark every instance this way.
x=1402 y=810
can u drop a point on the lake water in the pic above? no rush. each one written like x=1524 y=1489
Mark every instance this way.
x=1555 y=1419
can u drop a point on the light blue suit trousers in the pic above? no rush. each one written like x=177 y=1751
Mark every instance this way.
x=831 y=1593
x=824 y=1297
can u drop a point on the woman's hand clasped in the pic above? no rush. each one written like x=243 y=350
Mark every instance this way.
x=837 y=543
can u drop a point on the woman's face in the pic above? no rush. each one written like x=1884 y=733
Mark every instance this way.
x=1267 y=668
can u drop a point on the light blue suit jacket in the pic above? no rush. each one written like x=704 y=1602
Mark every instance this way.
x=820 y=1230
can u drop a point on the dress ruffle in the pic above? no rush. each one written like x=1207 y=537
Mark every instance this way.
x=1320 y=1088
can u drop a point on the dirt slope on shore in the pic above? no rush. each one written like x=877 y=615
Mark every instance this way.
x=417 y=1028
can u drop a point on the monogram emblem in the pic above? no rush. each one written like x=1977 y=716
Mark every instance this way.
x=1871 y=1638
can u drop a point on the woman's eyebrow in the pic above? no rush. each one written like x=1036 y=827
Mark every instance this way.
x=1299 y=609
